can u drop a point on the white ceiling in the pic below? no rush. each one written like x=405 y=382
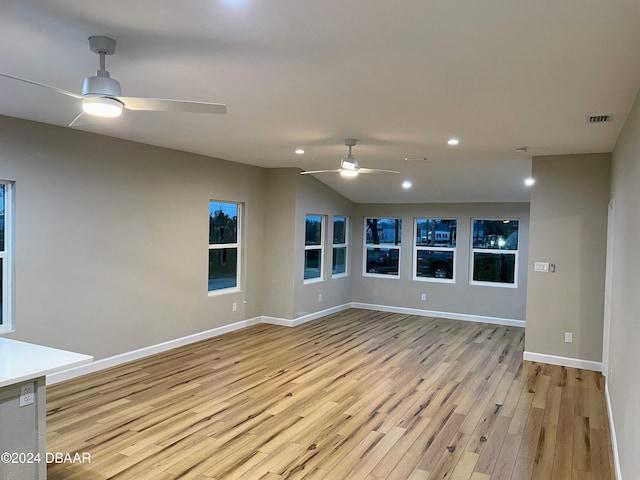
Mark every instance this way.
x=401 y=77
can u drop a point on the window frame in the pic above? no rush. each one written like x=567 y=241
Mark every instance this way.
x=494 y=251
x=221 y=246
x=319 y=247
x=417 y=248
x=344 y=245
x=7 y=256
x=394 y=246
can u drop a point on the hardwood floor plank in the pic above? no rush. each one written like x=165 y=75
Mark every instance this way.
x=506 y=460
x=464 y=467
x=543 y=461
x=581 y=444
x=357 y=394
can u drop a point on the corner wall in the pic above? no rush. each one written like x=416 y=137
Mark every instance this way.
x=623 y=381
x=569 y=229
x=314 y=197
x=279 y=242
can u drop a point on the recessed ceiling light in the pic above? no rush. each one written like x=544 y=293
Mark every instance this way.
x=299 y=151
x=453 y=141
x=529 y=181
x=407 y=184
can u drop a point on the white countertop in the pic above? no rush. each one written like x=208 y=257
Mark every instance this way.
x=20 y=361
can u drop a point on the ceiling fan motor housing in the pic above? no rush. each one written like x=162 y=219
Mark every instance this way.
x=101 y=85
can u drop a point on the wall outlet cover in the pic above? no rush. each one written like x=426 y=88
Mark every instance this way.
x=27 y=395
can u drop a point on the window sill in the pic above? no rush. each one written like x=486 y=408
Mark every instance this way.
x=494 y=284
x=381 y=275
x=223 y=291
x=434 y=280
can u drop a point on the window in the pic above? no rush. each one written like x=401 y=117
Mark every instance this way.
x=495 y=252
x=6 y=270
x=339 y=265
x=383 y=237
x=313 y=247
x=435 y=248
x=224 y=247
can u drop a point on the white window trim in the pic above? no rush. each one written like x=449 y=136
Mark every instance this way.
x=494 y=251
x=8 y=271
x=380 y=246
x=344 y=245
x=237 y=246
x=315 y=247
x=417 y=248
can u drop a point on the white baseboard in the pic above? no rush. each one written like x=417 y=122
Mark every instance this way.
x=612 y=429
x=146 y=351
x=433 y=313
x=563 y=361
x=305 y=318
x=283 y=322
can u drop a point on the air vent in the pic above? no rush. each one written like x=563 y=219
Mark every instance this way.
x=415 y=159
x=599 y=118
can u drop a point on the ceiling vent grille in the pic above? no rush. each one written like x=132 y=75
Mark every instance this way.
x=599 y=118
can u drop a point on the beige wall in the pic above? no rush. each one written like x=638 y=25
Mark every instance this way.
x=111 y=239
x=568 y=228
x=623 y=380
x=461 y=297
x=279 y=240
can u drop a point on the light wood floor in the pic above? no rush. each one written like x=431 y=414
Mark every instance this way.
x=358 y=394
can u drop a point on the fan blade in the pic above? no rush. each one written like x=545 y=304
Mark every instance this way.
x=319 y=171
x=168 y=105
x=375 y=170
x=79 y=121
x=55 y=89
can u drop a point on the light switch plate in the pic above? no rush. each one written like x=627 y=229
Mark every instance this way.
x=541 y=267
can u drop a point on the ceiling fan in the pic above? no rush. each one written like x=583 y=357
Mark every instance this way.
x=102 y=96
x=349 y=165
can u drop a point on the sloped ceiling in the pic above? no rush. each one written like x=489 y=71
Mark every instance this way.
x=401 y=77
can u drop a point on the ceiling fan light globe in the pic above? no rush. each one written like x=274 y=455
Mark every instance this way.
x=102 y=107
x=349 y=164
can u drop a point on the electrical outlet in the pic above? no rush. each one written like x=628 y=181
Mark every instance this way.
x=234 y=307
x=568 y=337
x=423 y=296
x=319 y=297
x=27 y=397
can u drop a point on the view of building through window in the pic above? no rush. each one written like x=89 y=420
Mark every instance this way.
x=383 y=237
x=495 y=251
x=435 y=246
